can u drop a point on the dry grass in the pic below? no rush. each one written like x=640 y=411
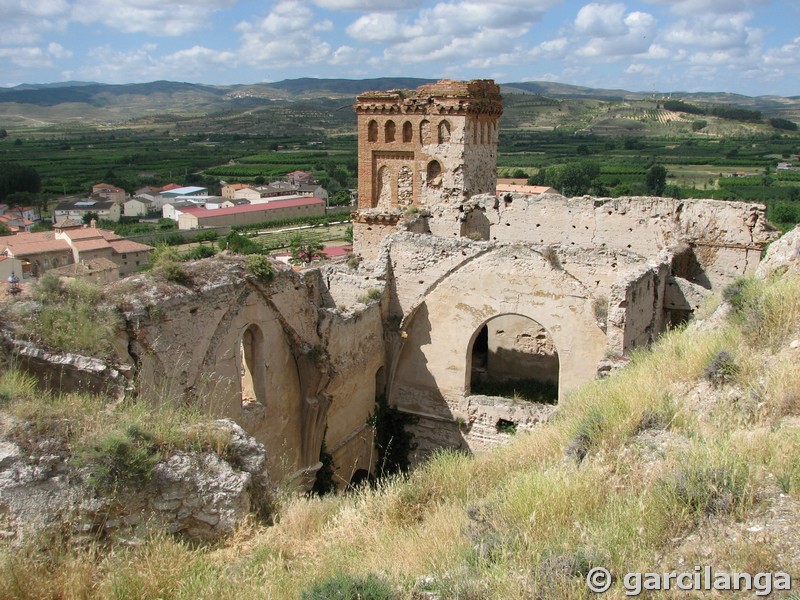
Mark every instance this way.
x=526 y=519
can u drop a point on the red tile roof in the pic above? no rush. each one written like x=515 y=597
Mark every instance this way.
x=123 y=246
x=248 y=208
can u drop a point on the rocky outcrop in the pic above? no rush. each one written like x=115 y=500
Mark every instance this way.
x=782 y=255
x=201 y=496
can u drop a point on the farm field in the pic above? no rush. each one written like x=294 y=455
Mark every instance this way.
x=623 y=139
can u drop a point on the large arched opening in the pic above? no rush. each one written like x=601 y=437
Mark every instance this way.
x=513 y=356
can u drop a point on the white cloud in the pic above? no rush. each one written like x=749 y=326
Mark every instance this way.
x=601 y=20
x=154 y=17
x=458 y=35
x=188 y=64
x=28 y=57
x=616 y=34
x=345 y=55
x=708 y=7
x=58 y=51
x=285 y=37
x=26 y=22
x=788 y=54
x=366 y=5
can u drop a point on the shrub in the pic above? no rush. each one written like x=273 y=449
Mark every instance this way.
x=734 y=293
x=722 y=369
x=260 y=266
x=551 y=256
x=119 y=457
x=342 y=586
x=198 y=252
x=165 y=262
x=372 y=295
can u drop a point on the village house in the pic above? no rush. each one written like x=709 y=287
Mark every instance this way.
x=300 y=178
x=194 y=218
x=137 y=207
x=77 y=208
x=108 y=192
x=47 y=250
x=192 y=191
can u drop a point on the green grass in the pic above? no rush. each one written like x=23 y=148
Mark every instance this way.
x=525 y=520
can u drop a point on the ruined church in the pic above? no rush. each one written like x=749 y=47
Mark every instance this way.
x=458 y=289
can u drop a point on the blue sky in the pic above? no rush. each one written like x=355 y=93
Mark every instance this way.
x=745 y=46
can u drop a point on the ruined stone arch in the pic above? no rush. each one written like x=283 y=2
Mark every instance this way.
x=383 y=189
x=389 y=131
x=434 y=174
x=425 y=132
x=444 y=131
x=512 y=351
x=408 y=132
x=372 y=131
x=431 y=371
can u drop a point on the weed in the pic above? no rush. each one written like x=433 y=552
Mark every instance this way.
x=118 y=457
x=722 y=369
x=372 y=295
x=343 y=586
x=353 y=260
x=550 y=254
x=260 y=266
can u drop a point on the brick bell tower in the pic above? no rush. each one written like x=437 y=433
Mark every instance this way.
x=433 y=145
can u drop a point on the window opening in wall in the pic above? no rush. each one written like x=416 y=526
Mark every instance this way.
x=434 y=174
x=252 y=368
x=408 y=132
x=372 y=131
x=425 y=132
x=444 y=132
x=513 y=356
x=389 y=131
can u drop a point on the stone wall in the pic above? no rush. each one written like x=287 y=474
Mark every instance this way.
x=315 y=368
x=726 y=237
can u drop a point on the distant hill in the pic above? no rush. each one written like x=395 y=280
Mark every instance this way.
x=33 y=106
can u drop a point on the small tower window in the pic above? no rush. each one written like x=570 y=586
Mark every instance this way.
x=408 y=132
x=444 y=132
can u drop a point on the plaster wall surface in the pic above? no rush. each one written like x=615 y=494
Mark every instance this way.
x=727 y=237
x=432 y=371
x=316 y=366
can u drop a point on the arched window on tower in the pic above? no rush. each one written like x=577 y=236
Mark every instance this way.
x=444 y=132
x=389 y=131
x=425 y=132
x=434 y=174
x=408 y=132
x=372 y=131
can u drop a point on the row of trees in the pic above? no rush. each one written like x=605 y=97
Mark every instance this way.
x=583 y=177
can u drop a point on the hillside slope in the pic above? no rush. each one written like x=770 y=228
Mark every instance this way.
x=688 y=456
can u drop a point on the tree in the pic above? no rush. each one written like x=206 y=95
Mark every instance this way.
x=18 y=178
x=304 y=252
x=340 y=198
x=571 y=179
x=89 y=217
x=656 y=180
